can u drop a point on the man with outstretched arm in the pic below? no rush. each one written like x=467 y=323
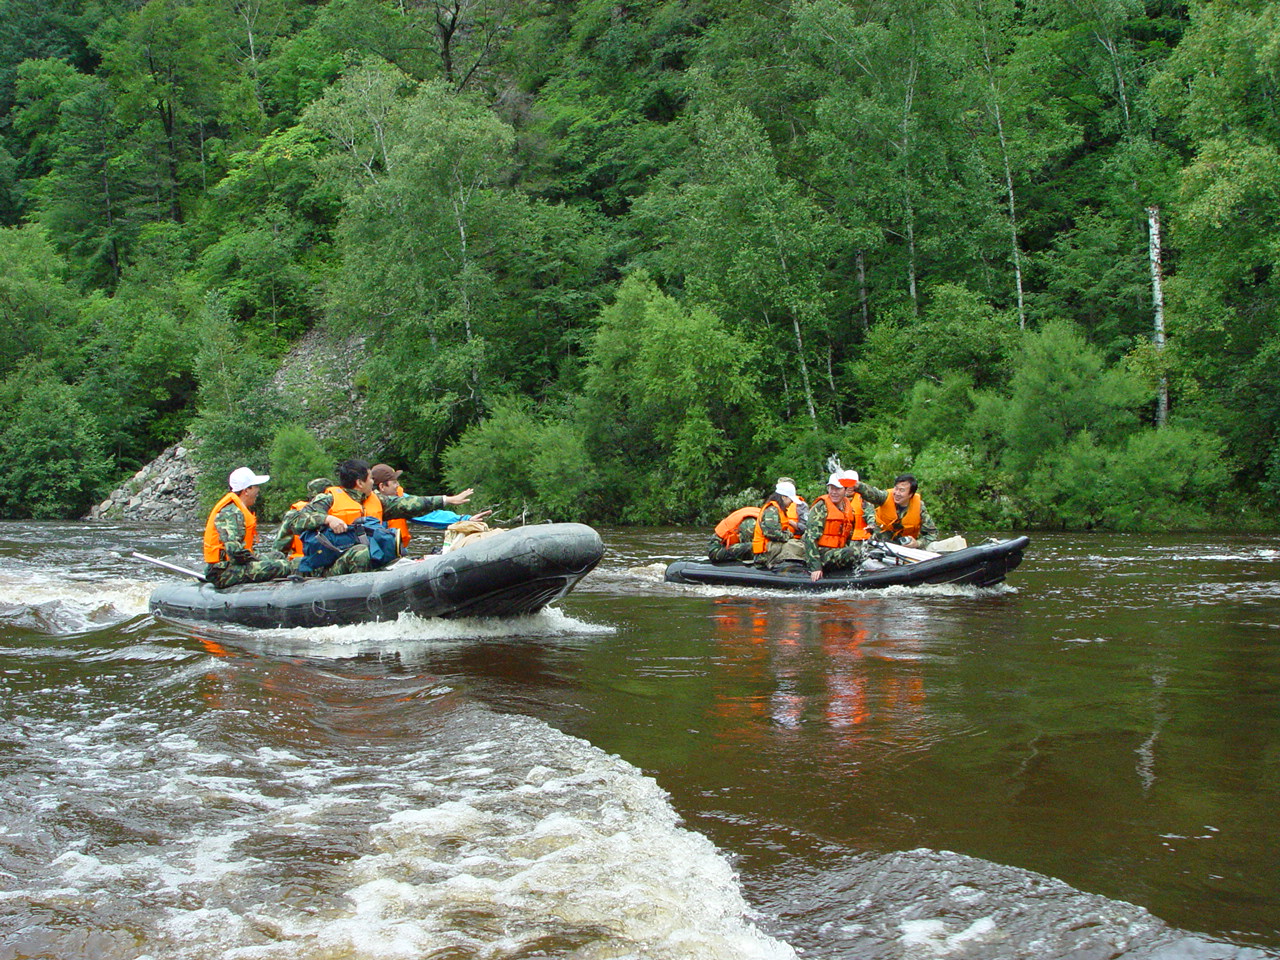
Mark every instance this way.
x=898 y=515
x=386 y=483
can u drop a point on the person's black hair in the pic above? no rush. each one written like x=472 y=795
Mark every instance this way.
x=909 y=478
x=351 y=472
x=777 y=498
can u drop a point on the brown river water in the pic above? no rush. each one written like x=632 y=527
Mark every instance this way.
x=1084 y=762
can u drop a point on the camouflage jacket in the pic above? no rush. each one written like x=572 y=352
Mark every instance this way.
x=817 y=524
x=283 y=539
x=771 y=524
x=873 y=497
x=230 y=526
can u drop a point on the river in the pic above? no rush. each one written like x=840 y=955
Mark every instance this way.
x=1082 y=763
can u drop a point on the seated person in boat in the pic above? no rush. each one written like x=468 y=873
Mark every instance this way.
x=734 y=535
x=779 y=527
x=837 y=536
x=286 y=539
x=898 y=515
x=355 y=497
x=386 y=483
x=231 y=532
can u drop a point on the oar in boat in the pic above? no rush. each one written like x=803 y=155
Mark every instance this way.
x=167 y=565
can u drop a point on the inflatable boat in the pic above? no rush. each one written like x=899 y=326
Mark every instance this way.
x=983 y=565
x=509 y=573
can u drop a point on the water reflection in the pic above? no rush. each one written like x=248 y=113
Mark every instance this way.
x=813 y=663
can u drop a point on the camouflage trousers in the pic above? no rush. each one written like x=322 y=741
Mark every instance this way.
x=842 y=558
x=355 y=560
x=719 y=553
x=776 y=552
x=230 y=573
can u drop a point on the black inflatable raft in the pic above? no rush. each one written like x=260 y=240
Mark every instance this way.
x=514 y=572
x=980 y=566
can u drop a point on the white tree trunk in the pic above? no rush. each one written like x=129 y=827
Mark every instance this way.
x=804 y=369
x=1157 y=301
x=998 y=120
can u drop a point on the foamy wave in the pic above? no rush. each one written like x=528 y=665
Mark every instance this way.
x=575 y=853
x=490 y=835
x=58 y=605
x=548 y=622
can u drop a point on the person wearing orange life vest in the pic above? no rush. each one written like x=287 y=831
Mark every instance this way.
x=355 y=497
x=837 y=535
x=734 y=537
x=286 y=539
x=230 y=535
x=386 y=483
x=898 y=515
x=779 y=526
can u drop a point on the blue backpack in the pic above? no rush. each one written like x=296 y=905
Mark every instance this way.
x=320 y=548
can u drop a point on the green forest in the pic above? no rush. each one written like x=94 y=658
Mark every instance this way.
x=627 y=261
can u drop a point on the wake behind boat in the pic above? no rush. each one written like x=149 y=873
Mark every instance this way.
x=510 y=573
x=983 y=565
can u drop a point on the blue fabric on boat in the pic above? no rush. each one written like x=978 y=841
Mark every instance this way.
x=440 y=519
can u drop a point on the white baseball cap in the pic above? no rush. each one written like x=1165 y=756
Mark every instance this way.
x=786 y=488
x=242 y=478
x=845 y=478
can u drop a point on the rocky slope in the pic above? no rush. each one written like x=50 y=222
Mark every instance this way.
x=162 y=491
x=319 y=376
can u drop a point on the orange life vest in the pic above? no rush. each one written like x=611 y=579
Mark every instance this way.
x=728 y=529
x=348 y=510
x=789 y=520
x=401 y=525
x=908 y=526
x=215 y=550
x=295 y=546
x=843 y=525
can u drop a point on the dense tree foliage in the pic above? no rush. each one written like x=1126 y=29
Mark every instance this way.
x=629 y=260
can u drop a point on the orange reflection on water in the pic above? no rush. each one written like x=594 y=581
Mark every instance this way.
x=789 y=664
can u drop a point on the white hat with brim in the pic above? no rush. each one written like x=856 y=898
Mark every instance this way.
x=242 y=478
x=786 y=488
x=845 y=478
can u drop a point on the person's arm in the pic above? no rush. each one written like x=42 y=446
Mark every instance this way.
x=283 y=537
x=408 y=506
x=316 y=515
x=230 y=526
x=285 y=532
x=871 y=498
x=870 y=495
